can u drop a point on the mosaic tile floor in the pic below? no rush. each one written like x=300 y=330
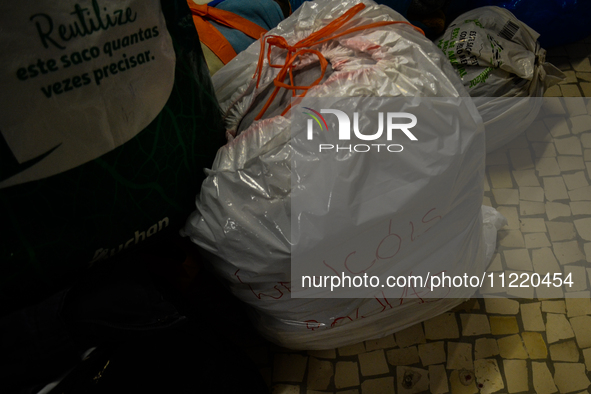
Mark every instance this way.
x=541 y=183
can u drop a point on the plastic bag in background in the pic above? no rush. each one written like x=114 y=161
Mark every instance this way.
x=559 y=22
x=244 y=213
x=499 y=58
x=104 y=136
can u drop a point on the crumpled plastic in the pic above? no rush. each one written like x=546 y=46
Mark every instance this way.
x=501 y=63
x=243 y=220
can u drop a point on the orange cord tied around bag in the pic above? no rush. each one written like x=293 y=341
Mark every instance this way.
x=212 y=37
x=303 y=47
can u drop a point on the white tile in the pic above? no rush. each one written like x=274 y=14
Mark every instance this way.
x=519 y=291
x=410 y=336
x=583 y=227
x=535 y=345
x=320 y=373
x=575 y=180
x=544 y=261
x=488 y=376
x=542 y=378
x=511 y=239
x=412 y=380
x=459 y=356
x=381 y=343
x=485 y=348
x=352 y=350
x=587 y=155
x=510 y=213
x=544 y=149
x=578 y=304
x=518 y=259
x=531 y=194
x=584 y=76
x=578 y=277
x=582 y=327
x=503 y=306
x=531 y=316
x=500 y=177
x=570 y=77
x=554 y=188
x=570 y=163
x=516 y=375
x=528 y=208
x=564 y=351
x=373 y=363
x=550 y=292
x=547 y=166
x=570 y=377
x=553 y=91
x=581 y=207
x=511 y=347
x=506 y=196
x=582 y=194
x=432 y=353
x=557 y=126
x=586 y=137
x=443 y=326
x=568 y=146
x=346 y=374
x=438 y=379
x=580 y=124
x=521 y=159
x=556 y=209
x=567 y=252
x=557 y=328
x=459 y=384
x=570 y=90
x=561 y=231
x=380 y=385
x=496 y=264
x=534 y=225
x=474 y=324
x=406 y=356
x=536 y=240
x=581 y=65
x=554 y=306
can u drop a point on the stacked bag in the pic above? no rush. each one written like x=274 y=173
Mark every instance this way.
x=503 y=67
x=246 y=221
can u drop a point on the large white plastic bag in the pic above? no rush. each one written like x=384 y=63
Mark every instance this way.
x=243 y=216
x=503 y=67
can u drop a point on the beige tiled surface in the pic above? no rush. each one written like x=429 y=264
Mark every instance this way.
x=541 y=183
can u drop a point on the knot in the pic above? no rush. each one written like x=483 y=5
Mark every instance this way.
x=303 y=47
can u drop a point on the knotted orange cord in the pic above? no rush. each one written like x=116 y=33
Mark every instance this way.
x=293 y=51
x=212 y=37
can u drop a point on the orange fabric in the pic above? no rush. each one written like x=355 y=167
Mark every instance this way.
x=301 y=47
x=212 y=37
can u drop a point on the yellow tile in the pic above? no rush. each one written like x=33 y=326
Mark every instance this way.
x=503 y=325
